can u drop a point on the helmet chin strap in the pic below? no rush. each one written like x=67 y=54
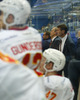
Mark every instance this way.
x=46 y=71
x=0 y=27
x=7 y=27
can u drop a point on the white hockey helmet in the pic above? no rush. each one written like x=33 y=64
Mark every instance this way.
x=20 y=9
x=55 y=56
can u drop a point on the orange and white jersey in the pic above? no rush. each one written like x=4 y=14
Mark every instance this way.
x=58 y=88
x=23 y=45
x=18 y=82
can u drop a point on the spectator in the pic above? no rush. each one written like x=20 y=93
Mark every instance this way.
x=77 y=55
x=55 y=40
x=74 y=69
x=46 y=40
x=67 y=46
x=46 y=35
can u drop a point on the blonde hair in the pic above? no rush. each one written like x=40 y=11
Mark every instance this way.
x=55 y=28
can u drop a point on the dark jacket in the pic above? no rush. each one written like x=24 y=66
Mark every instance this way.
x=69 y=48
x=55 y=43
x=69 y=52
x=77 y=55
x=45 y=44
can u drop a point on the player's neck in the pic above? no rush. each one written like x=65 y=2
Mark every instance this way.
x=51 y=73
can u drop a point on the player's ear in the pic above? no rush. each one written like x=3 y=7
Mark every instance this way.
x=10 y=19
x=51 y=64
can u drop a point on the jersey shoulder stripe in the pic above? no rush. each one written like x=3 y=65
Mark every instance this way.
x=7 y=58
x=39 y=74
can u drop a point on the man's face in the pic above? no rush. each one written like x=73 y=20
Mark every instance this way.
x=53 y=33
x=49 y=66
x=41 y=64
x=60 y=32
x=45 y=36
x=9 y=20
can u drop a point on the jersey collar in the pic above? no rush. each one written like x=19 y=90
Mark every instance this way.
x=26 y=27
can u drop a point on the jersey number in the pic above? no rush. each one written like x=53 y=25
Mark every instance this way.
x=52 y=94
x=27 y=58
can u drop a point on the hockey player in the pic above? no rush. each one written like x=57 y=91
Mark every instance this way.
x=57 y=87
x=20 y=41
x=18 y=82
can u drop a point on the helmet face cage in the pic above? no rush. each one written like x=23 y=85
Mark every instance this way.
x=55 y=56
x=20 y=9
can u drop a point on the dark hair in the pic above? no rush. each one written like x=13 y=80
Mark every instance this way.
x=47 y=33
x=63 y=27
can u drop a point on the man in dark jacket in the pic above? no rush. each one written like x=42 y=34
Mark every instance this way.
x=74 y=69
x=67 y=45
x=55 y=40
x=46 y=40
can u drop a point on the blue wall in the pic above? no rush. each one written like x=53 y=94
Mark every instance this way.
x=40 y=21
x=32 y=2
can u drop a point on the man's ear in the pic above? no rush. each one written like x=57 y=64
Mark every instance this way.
x=51 y=65
x=47 y=36
x=63 y=31
x=10 y=19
